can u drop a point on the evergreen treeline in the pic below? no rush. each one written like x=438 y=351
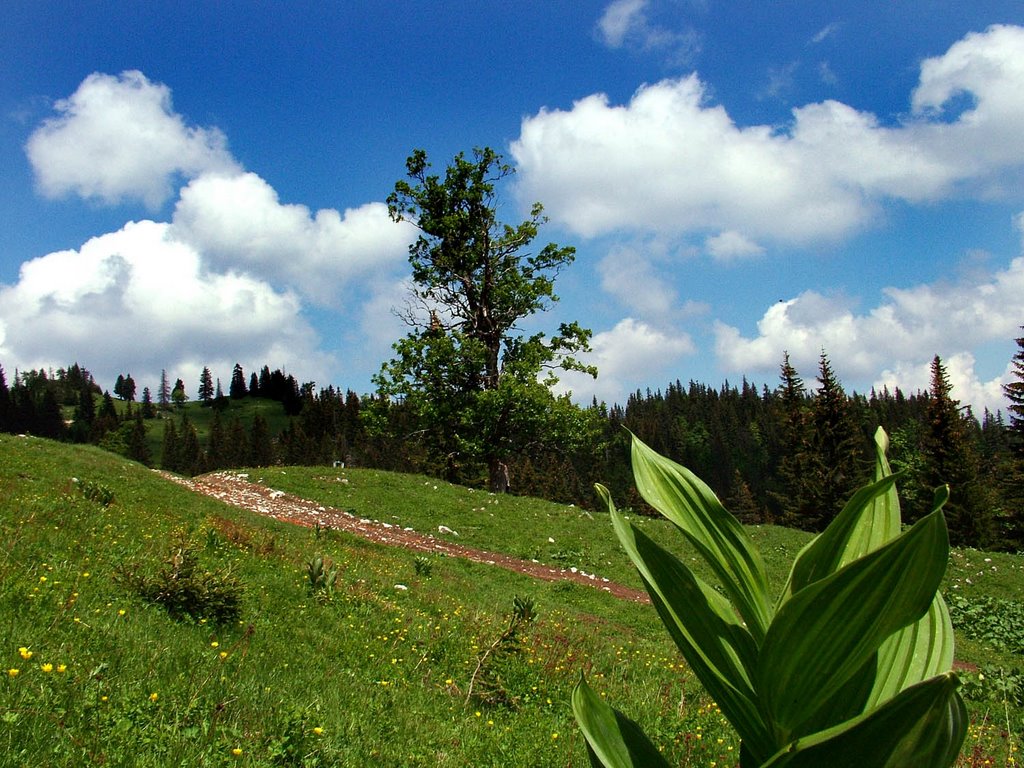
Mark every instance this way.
x=789 y=454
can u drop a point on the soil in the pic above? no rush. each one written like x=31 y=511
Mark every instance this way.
x=236 y=489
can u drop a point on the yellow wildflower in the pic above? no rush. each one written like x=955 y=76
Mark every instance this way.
x=12 y=672
x=236 y=751
x=47 y=668
x=153 y=696
x=25 y=653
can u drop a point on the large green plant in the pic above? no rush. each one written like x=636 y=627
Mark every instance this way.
x=850 y=666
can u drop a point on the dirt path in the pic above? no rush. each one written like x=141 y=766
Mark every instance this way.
x=235 y=489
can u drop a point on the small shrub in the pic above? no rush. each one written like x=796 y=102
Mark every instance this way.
x=322 y=576
x=96 y=492
x=486 y=684
x=184 y=589
x=423 y=566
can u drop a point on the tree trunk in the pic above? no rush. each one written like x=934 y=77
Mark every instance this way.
x=497 y=471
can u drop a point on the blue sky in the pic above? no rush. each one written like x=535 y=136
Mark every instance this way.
x=186 y=186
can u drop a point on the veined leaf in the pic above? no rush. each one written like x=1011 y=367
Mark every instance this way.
x=828 y=631
x=692 y=506
x=847 y=538
x=704 y=626
x=919 y=651
x=924 y=725
x=915 y=653
x=613 y=740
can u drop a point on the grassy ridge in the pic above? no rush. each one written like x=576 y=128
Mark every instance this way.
x=378 y=674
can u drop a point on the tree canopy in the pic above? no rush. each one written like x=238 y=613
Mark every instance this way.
x=466 y=367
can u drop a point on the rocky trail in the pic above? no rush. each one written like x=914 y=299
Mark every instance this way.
x=236 y=489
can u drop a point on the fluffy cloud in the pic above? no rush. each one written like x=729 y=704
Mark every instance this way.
x=625 y=23
x=118 y=138
x=137 y=298
x=671 y=162
x=730 y=246
x=630 y=355
x=897 y=338
x=238 y=221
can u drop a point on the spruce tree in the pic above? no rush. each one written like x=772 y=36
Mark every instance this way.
x=797 y=466
x=137 y=448
x=261 y=449
x=1013 y=478
x=147 y=404
x=237 y=389
x=254 y=385
x=951 y=459
x=169 y=458
x=838 y=446
x=205 y=392
x=163 y=395
x=5 y=404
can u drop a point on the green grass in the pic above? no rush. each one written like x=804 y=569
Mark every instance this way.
x=375 y=675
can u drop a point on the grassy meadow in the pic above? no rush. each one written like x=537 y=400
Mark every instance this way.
x=376 y=667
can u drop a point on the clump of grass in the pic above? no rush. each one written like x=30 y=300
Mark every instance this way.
x=423 y=566
x=183 y=588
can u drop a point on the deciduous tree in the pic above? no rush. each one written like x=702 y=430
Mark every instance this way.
x=465 y=367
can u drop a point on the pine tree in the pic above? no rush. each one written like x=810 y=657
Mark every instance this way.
x=191 y=459
x=119 y=386
x=147 y=404
x=5 y=404
x=128 y=390
x=254 y=385
x=951 y=459
x=237 y=389
x=216 y=444
x=838 y=447
x=169 y=459
x=178 y=396
x=261 y=449
x=137 y=448
x=798 y=465
x=163 y=395
x=1013 y=478
x=205 y=386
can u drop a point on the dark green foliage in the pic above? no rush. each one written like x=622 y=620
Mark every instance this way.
x=184 y=589
x=97 y=492
x=237 y=389
x=205 y=392
x=950 y=457
x=999 y=623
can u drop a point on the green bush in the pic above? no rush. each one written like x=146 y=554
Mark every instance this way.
x=184 y=589
x=850 y=666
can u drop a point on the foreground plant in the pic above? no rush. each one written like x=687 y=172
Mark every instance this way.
x=850 y=666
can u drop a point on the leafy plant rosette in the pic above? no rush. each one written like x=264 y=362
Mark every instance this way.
x=850 y=666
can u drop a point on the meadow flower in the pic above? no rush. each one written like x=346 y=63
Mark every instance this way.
x=25 y=653
x=236 y=751
x=318 y=730
x=47 y=668
x=12 y=672
x=61 y=668
x=153 y=696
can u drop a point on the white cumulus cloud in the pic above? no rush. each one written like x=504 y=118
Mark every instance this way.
x=630 y=355
x=117 y=138
x=898 y=337
x=238 y=221
x=671 y=161
x=138 y=299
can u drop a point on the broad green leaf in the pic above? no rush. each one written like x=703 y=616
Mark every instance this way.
x=925 y=725
x=704 y=626
x=846 y=539
x=919 y=651
x=613 y=740
x=692 y=506
x=870 y=519
x=829 y=630
x=915 y=653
